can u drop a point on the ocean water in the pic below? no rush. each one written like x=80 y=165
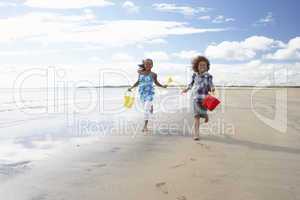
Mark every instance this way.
x=35 y=122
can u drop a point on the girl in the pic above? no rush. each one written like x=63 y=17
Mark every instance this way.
x=202 y=85
x=145 y=82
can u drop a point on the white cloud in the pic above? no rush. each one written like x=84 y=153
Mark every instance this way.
x=95 y=59
x=67 y=4
x=254 y=72
x=122 y=57
x=186 y=54
x=217 y=20
x=265 y=20
x=28 y=52
x=7 y=4
x=130 y=7
x=185 y=10
x=58 y=28
x=262 y=43
x=157 y=55
x=36 y=24
x=290 y=52
x=205 y=17
x=157 y=41
x=229 y=51
x=254 y=63
x=221 y=19
x=163 y=56
x=89 y=12
x=243 y=50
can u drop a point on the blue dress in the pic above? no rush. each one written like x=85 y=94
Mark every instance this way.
x=146 y=88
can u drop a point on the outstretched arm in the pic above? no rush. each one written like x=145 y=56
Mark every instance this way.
x=189 y=85
x=134 y=85
x=156 y=81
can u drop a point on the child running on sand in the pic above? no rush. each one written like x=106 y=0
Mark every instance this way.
x=201 y=86
x=145 y=81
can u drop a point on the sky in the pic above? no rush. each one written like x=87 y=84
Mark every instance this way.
x=247 y=42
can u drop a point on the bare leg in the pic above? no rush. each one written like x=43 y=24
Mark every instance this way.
x=145 y=129
x=206 y=119
x=196 y=128
x=148 y=109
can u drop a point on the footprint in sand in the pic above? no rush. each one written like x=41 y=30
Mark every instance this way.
x=162 y=186
x=39 y=197
x=179 y=165
x=115 y=149
x=193 y=159
x=204 y=145
x=100 y=165
x=181 y=198
x=215 y=181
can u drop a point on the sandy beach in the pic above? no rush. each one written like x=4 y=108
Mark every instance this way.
x=244 y=153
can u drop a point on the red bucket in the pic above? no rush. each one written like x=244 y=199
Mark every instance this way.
x=210 y=102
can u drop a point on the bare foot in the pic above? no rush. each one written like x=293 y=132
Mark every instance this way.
x=145 y=129
x=196 y=138
x=206 y=119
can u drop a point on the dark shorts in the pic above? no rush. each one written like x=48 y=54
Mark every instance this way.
x=198 y=109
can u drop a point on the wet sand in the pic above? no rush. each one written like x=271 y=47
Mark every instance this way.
x=241 y=155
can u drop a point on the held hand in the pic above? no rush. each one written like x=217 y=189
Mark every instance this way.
x=212 y=92
x=184 y=91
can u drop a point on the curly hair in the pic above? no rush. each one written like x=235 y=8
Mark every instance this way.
x=197 y=60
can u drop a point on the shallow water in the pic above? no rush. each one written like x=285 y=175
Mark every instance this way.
x=35 y=122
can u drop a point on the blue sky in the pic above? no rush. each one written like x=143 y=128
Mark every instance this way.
x=245 y=40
